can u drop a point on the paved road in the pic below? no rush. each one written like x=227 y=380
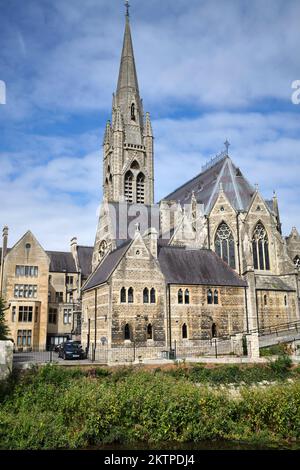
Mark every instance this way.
x=43 y=357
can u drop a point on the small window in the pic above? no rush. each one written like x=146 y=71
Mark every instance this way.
x=216 y=297
x=214 y=332
x=13 y=314
x=186 y=296
x=209 y=297
x=285 y=300
x=130 y=295
x=184 y=331
x=127 y=332
x=152 y=296
x=132 y=111
x=146 y=295
x=180 y=296
x=123 y=295
x=149 y=331
x=265 y=300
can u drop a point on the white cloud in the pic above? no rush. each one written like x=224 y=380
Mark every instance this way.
x=208 y=70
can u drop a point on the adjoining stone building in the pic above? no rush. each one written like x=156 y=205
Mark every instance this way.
x=42 y=290
x=208 y=260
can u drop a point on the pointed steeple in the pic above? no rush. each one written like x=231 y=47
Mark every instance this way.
x=148 y=126
x=107 y=134
x=127 y=75
x=127 y=95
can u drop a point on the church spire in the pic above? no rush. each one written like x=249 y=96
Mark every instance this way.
x=127 y=81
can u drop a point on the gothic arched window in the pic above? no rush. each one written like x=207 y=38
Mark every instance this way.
x=180 y=296
x=130 y=295
x=224 y=244
x=152 y=296
x=216 y=297
x=132 y=112
x=149 y=331
x=127 y=332
x=209 y=297
x=297 y=262
x=146 y=295
x=186 y=296
x=260 y=247
x=184 y=331
x=140 y=188
x=123 y=295
x=128 y=186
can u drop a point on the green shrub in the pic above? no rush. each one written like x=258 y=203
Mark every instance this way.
x=57 y=408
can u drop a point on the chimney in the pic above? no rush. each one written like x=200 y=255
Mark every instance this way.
x=4 y=242
x=153 y=236
x=73 y=245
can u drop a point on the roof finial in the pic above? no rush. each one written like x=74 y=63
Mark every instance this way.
x=227 y=144
x=127 y=6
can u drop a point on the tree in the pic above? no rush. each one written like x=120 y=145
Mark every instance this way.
x=4 y=331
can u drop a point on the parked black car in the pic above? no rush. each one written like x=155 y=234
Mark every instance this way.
x=71 y=350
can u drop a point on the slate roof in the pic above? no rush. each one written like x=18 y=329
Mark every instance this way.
x=206 y=187
x=182 y=266
x=272 y=283
x=179 y=266
x=85 y=254
x=105 y=269
x=61 y=261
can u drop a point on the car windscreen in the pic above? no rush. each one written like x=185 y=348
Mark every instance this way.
x=71 y=347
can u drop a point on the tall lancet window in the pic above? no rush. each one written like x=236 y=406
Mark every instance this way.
x=110 y=188
x=224 y=244
x=260 y=247
x=132 y=112
x=140 y=188
x=128 y=186
x=297 y=262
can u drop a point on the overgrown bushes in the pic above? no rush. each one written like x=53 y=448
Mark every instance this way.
x=57 y=408
x=235 y=374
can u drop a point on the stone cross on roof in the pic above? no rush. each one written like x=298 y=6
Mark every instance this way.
x=127 y=6
x=227 y=144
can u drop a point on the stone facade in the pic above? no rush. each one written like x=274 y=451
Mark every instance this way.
x=42 y=291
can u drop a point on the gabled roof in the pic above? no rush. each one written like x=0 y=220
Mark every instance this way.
x=61 y=261
x=105 y=269
x=204 y=267
x=85 y=254
x=206 y=187
x=178 y=265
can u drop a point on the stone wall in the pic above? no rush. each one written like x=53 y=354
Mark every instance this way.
x=6 y=358
x=276 y=307
x=199 y=316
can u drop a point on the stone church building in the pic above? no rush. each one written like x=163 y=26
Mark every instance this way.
x=208 y=260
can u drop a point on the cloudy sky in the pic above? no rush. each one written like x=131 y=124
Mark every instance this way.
x=208 y=70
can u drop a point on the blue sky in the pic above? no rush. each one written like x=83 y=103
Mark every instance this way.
x=208 y=70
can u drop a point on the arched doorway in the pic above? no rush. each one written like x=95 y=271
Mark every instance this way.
x=214 y=332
